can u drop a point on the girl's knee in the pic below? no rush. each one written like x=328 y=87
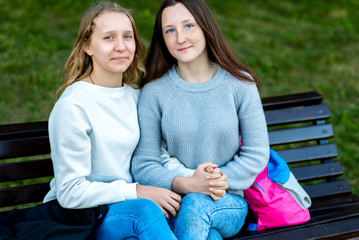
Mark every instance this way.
x=195 y=204
x=148 y=209
x=195 y=199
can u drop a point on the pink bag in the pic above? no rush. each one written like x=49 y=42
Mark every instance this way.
x=276 y=198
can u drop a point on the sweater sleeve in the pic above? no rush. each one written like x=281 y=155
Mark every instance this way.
x=146 y=163
x=246 y=165
x=172 y=163
x=69 y=130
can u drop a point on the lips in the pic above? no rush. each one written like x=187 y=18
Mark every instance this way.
x=121 y=58
x=184 y=49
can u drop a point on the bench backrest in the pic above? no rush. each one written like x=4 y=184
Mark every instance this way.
x=297 y=126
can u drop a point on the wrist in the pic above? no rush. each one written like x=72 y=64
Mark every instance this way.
x=183 y=185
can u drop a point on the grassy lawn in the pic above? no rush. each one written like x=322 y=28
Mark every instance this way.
x=293 y=46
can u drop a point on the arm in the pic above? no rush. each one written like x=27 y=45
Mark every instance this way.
x=69 y=130
x=188 y=179
x=173 y=164
x=147 y=164
x=244 y=167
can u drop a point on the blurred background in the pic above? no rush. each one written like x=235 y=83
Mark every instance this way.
x=293 y=46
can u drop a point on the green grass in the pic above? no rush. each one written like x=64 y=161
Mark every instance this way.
x=293 y=46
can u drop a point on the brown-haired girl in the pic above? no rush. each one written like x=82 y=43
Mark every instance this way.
x=200 y=101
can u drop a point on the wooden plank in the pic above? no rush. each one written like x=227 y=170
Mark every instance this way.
x=339 y=229
x=26 y=170
x=292 y=100
x=24 y=147
x=297 y=115
x=301 y=134
x=335 y=212
x=23 y=194
x=318 y=171
x=310 y=153
x=328 y=189
x=23 y=130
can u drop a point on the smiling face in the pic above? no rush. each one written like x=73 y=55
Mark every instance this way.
x=112 y=44
x=184 y=38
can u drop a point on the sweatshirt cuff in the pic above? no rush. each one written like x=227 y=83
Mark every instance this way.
x=130 y=191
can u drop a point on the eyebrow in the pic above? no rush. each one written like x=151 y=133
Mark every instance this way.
x=113 y=31
x=184 y=21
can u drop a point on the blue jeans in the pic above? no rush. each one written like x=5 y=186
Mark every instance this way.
x=134 y=219
x=202 y=218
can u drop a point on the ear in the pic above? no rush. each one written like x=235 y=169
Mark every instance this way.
x=87 y=49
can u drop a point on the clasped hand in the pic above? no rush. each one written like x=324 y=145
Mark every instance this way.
x=208 y=179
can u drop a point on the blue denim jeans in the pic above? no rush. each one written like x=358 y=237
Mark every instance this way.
x=134 y=219
x=202 y=218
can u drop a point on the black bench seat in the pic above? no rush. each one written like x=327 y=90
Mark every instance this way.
x=298 y=130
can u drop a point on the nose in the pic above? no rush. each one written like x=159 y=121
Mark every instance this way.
x=120 y=45
x=181 y=37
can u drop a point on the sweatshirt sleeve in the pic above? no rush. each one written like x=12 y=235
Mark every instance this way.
x=146 y=163
x=69 y=130
x=253 y=158
x=172 y=163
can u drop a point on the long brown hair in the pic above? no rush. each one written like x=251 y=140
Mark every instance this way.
x=159 y=60
x=79 y=65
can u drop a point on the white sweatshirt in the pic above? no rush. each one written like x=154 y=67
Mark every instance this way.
x=93 y=132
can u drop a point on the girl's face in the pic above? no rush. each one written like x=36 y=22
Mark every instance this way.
x=184 y=38
x=112 y=44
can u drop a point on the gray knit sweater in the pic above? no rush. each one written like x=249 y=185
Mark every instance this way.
x=201 y=123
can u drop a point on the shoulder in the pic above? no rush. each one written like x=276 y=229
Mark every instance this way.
x=134 y=93
x=159 y=87
x=70 y=102
x=236 y=85
x=72 y=95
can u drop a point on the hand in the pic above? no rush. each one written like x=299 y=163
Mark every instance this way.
x=219 y=187
x=167 y=200
x=215 y=183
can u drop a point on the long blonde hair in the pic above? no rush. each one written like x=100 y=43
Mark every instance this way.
x=79 y=64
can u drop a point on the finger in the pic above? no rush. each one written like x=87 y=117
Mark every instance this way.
x=214 y=176
x=214 y=197
x=218 y=184
x=204 y=165
x=176 y=197
x=221 y=187
x=217 y=170
x=209 y=169
x=224 y=177
x=217 y=192
x=176 y=205
x=170 y=209
x=164 y=212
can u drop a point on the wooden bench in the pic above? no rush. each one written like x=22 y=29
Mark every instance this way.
x=298 y=130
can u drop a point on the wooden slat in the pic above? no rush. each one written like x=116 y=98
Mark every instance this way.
x=310 y=153
x=328 y=189
x=23 y=130
x=347 y=228
x=24 y=147
x=318 y=171
x=286 y=136
x=335 y=212
x=25 y=170
x=23 y=194
x=297 y=115
x=292 y=100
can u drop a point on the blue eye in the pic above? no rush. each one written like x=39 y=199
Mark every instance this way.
x=109 y=38
x=127 y=36
x=169 y=31
x=188 y=26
